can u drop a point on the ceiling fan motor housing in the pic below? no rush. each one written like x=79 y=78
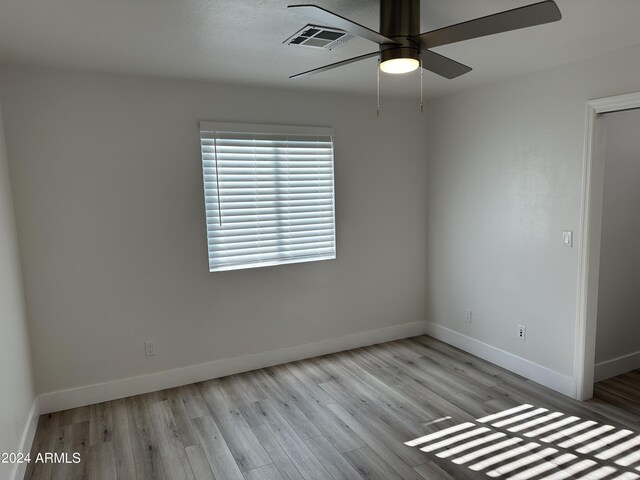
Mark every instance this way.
x=399 y=20
x=403 y=49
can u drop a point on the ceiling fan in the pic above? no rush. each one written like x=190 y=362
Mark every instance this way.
x=402 y=48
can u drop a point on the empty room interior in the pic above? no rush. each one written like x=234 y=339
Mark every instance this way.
x=359 y=239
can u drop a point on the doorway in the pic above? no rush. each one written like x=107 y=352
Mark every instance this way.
x=617 y=352
x=593 y=244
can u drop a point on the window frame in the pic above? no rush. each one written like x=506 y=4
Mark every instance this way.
x=209 y=127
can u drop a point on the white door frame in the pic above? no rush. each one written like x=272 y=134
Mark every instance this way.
x=590 y=232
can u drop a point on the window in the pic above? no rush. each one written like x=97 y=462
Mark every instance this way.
x=269 y=194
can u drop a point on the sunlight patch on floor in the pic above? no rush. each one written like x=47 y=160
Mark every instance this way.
x=581 y=449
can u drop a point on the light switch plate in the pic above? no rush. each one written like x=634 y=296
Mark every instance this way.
x=567 y=239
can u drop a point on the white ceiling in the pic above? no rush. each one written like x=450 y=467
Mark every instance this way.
x=241 y=40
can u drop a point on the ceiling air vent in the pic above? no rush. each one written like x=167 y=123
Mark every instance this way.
x=319 y=37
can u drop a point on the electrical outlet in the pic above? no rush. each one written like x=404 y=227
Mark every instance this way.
x=522 y=332
x=149 y=348
x=468 y=316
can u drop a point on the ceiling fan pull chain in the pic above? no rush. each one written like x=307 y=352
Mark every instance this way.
x=421 y=95
x=378 y=92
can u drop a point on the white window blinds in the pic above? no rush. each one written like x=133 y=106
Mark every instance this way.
x=269 y=194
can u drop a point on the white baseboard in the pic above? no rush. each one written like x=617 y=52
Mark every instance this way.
x=26 y=441
x=103 y=392
x=617 y=366
x=543 y=375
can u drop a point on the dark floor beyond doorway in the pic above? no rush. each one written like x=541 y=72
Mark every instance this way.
x=622 y=391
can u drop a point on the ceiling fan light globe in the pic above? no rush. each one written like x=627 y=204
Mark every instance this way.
x=399 y=65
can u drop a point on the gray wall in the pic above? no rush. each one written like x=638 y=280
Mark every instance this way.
x=618 y=332
x=108 y=191
x=505 y=179
x=17 y=393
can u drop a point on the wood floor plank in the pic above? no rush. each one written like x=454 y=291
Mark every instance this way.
x=215 y=448
x=352 y=391
x=378 y=443
x=251 y=387
x=79 y=445
x=285 y=405
x=61 y=471
x=431 y=471
x=382 y=393
x=143 y=439
x=170 y=447
x=443 y=380
x=233 y=387
x=75 y=415
x=242 y=442
x=441 y=400
x=316 y=410
x=388 y=427
x=100 y=423
x=268 y=472
x=125 y=463
x=72 y=439
x=306 y=463
x=447 y=375
x=333 y=461
x=280 y=459
x=370 y=466
x=305 y=377
x=101 y=463
x=466 y=370
x=188 y=435
x=193 y=402
x=199 y=463
x=43 y=442
x=430 y=344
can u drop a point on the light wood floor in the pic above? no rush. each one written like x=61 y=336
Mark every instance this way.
x=348 y=416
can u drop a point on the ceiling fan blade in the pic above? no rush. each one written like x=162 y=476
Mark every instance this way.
x=523 y=17
x=443 y=66
x=330 y=19
x=336 y=65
